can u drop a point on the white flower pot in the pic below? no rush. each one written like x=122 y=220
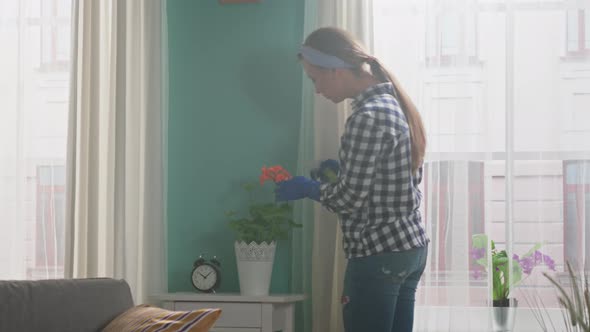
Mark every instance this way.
x=255 y=263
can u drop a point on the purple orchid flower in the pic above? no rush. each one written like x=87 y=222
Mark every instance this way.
x=527 y=264
x=478 y=253
x=477 y=274
x=549 y=262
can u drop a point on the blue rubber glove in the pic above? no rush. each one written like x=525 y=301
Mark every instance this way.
x=297 y=187
x=330 y=164
x=327 y=172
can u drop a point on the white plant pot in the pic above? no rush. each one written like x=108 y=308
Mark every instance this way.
x=255 y=263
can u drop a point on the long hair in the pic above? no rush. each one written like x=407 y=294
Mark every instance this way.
x=341 y=44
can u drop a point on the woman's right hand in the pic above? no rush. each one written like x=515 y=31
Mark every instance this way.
x=327 y=172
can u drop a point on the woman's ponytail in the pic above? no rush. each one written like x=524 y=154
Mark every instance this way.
x=339 y=43
x=417 y=131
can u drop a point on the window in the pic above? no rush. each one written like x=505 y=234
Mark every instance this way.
x=445 y=180
x=452 y=37
x=478 y=118
x=576 y=212
x=49 y=24
x=50 y=222
x=449 y=31
x=34 y=88
x=454 y=211
x=578 y=32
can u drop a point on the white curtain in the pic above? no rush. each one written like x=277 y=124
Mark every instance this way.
x=328 y=262
x=504 y=90
x=116 y=144
x=507 y=117
x=34 y=62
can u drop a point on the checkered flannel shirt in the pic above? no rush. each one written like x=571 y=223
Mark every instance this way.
x=376 y=195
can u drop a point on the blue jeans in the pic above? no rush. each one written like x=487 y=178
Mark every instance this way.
x=379 y=291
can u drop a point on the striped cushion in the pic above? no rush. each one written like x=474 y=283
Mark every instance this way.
x=145 y=318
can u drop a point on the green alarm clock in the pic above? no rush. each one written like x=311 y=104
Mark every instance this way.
x=206 y=275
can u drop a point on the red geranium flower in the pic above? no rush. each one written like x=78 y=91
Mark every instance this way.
x=274 y=173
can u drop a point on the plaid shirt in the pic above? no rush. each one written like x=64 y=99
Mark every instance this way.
x=376 y=196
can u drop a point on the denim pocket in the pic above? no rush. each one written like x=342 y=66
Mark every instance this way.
x=395 y=266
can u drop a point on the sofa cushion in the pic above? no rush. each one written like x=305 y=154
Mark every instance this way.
x=64 y=305
x=148 y=318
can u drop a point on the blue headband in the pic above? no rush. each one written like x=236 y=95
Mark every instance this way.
x=322 y=59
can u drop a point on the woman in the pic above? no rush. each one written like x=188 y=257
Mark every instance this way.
x=376 y=194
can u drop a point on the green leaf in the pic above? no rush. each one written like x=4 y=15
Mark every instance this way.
x=330 y=175
x=482 y=261
x=479 y=241
x=249 y=186
x=266 y=221
x=516 y=272
x=497 y=261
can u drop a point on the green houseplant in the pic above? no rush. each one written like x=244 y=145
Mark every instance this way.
x=502 y=280
x=265 y=221
x=257 y=233
x=507 y=272
x=574 y=298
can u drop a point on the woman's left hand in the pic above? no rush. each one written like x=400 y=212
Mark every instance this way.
x=296 y=188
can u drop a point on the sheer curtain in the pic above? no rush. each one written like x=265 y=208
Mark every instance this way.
x=116 y=144
x=34 y=62
x=327 y=124
x=304 y=273
x=504 y=90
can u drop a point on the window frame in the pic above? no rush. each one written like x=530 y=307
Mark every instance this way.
x=51 y=22
x=579 y=191
x=462 y=56
x=46 y=218
x=583 y=49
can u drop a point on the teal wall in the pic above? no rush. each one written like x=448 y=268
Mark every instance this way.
x=235 y=99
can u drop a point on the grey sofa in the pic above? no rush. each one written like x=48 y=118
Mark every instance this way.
x=65 y=305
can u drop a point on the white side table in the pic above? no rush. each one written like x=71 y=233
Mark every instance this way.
x=240 y=313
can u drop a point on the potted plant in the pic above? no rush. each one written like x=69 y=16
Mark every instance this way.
x=504 y=280
x=257 y=233
x=574 y=298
